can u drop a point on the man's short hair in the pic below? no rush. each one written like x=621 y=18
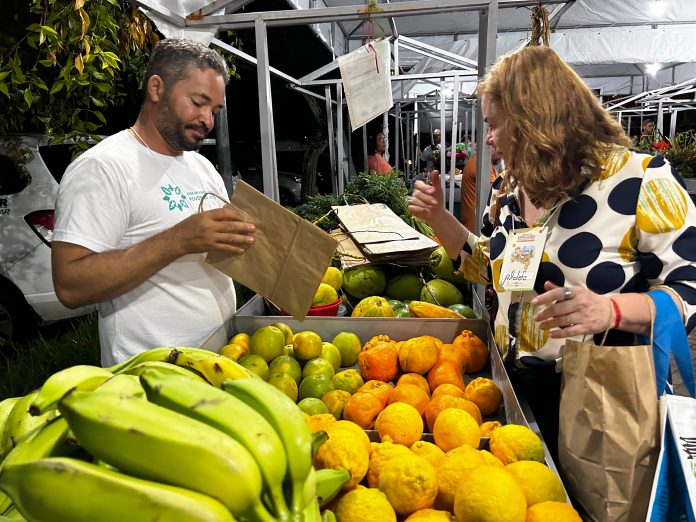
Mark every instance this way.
x=173 y=59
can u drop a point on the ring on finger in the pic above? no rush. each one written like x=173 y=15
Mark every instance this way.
x=567 y=293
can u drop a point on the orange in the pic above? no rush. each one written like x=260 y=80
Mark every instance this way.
x=537 y=481
x=410 y=484
x=414 y=378
x=383 y=452
x=320 y=421
x=552 y=512
x=513 y=442
x=410 y=394
x=401 y=423
x=485 y=394
x=380 y=389
x=430 y=515
x=454 y=428
x=428 y=451
x=379 y=362
x=445 y=372
x=362 y=408
x=454 y=354
x=336 y=402
x=449 y=389
x=419 y=354
x=442 y=402
x=489 y=494
x=489 y=427
x=451 y=473
x=475 y=349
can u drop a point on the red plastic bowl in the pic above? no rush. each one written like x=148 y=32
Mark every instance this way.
x=329 y=309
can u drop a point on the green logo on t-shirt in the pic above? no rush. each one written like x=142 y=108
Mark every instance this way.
x=175 y=197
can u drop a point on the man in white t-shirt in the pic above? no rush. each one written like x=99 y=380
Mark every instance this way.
x=128 y=234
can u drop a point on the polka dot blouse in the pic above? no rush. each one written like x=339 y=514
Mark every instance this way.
x=632 y=229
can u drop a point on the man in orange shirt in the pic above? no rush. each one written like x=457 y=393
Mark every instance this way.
x=468 y=196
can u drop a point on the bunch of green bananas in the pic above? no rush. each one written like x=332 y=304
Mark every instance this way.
x=174 y=434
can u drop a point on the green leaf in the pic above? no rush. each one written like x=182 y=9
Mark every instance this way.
x=111 y=55
x=40 y=84
x=28 y=97
x=96 y=102
x=49 y=30
x=4 y=90
x=46 y=63
x=103 y=87
x=82 y=82
x=4 y=75
x=99 y=116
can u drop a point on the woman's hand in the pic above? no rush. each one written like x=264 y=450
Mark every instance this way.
x=571 y=311
x=427 y=201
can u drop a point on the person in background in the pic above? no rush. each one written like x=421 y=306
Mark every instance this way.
x=376 y=163
x=615 y=223
x=427 y=156
x=468 y=191
x=648 y=128
x=128 y=235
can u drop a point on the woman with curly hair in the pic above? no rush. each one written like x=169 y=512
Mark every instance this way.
x=610 y=225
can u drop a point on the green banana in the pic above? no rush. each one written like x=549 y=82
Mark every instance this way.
x=287 y=419
x=50 y=440
x=318 y=438
x=154 y=443
x=329 y=483
x=328 y=516
x=12 y=515
x=214 y=407
x=80 y=377
x=215 y=368
x=163 y=367
x=154 y=354
x=69 y=490
x=311 y=512
x=5 y=409
x=20 y=422
x=123 y=384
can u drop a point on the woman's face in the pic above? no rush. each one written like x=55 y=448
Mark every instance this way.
x=496 y=137
x=380 y=145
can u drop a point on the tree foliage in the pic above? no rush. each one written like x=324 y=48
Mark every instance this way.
x=64 y=69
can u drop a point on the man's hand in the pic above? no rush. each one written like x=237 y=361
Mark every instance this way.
x=218 y=229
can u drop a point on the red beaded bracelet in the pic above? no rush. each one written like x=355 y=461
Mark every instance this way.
x=617 y=313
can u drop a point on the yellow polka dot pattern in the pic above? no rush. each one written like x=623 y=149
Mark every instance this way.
x=496 y=266
x=614 y=164
x=502 y=338
x=661 y=207
x=531 y=336
x=646 y=162
x=627 y=248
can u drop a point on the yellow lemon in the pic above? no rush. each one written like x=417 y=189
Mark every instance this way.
x=485 y=394
x=430 y=515
x=513 y=442
x=344 y=449
x=489 y=427
x=552 y=512
x=401 y=423
x=333 y=277
x=325 y=294
x=234 y=351
x=490 y=494
x=451 y=473
x=491 y=459
x=365 y=505
x=241 y=338
x=537 y=481
x=428 y=451
x=349 y=345
x=383 y=452
x=454 y=428
x=320 y=421
x=306 y=345
x=409 y=483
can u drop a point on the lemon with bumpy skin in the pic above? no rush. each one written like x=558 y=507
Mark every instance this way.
x=455 y=427
x=325 y=294
x=345 y=449
x=490 y=494
x=428 y=451
x=333 y=277
x=383 y=452
x=451 y=472
x=410 y=484
x=401 y=423
x=537 y=481
x=552 y=512
x=430 y=515
x=365 y=505
x=514 y=442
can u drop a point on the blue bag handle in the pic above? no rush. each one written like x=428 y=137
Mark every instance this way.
x=669 y=336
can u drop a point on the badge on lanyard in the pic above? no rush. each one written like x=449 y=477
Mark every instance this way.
x=522 y=258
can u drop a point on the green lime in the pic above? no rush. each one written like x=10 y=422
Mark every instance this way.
x=318 y=366
x=285 y=383
x=312 y=406
x=286 y=364
x=315 y=386
x=396 y=304
x=463 y=310
x=349 y=345
x=348 y=380
x=289 y=350
x=331 y=353
x=402 y=312
x=268 y=342
x=307 y=345
x=256 y=364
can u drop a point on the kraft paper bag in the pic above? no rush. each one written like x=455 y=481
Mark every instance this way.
x=609 y=428
x=288 y=259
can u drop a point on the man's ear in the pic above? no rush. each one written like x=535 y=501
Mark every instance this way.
x=155 y=88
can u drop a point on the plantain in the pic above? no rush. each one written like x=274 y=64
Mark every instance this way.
x=80 y=377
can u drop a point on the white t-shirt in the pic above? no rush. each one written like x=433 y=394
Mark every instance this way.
x=118 y=194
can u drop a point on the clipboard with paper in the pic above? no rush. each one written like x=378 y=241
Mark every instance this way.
x=288 y=259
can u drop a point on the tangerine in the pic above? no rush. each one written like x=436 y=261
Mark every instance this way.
x=475 y=349
x=410 y=394
x=382 y=390
x=414 y=378
x=379 y=362
x=445 y=372
x=485 y=394
x=442 y=402
x=362 y=408
x=449 y=389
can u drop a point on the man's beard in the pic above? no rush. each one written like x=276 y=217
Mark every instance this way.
x=173 y=130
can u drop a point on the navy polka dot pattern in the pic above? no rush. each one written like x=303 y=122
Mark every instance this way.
x=605 y=239
x=685 y=245
x=605 y=277
x=580 y=250
x=624 y=197
x=577 y=212
x=678 y=178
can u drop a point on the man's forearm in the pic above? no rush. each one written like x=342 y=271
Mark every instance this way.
x=96 y=277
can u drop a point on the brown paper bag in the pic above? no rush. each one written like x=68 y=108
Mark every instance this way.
x=608 y=428
x=288 y=259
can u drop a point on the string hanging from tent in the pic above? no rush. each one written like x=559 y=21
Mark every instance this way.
x=368 y=27
x=540 y=26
